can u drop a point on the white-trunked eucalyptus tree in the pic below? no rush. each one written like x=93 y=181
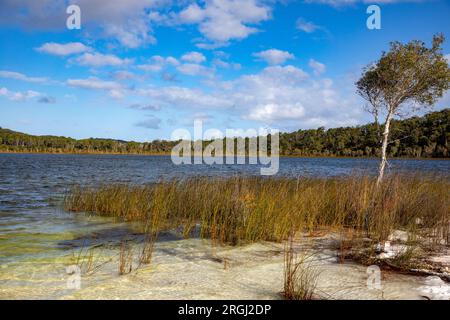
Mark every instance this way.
x=406 y=78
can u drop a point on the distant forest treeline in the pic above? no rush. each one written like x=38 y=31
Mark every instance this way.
x=426 y=136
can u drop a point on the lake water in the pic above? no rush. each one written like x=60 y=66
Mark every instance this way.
x=30 y=182
x=34 y=228
x=32 y=185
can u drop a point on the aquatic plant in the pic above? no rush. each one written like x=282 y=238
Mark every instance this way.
x=300 y=275
x=125 y=258
x=240 y=210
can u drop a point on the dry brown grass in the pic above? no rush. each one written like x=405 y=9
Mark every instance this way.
x=90 y=259
x=300 y=275
x=125 y=258
x=248 y=209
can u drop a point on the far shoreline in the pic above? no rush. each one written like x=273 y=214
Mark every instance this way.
x=168 y=154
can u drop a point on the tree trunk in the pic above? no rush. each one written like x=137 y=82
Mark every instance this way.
x=384 y=148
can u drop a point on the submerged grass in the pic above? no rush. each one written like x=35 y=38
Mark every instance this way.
x=241 y=210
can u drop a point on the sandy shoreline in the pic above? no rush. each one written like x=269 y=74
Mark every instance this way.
x=193 y=269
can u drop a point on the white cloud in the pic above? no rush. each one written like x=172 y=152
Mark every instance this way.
x=274 y=56
x=273 y=111
x=226 y=65
x=286 y=96
x=193 y=69
x=63 y=49
x=124 y=21
x=134 y=35
x=192 y=14
x=98 y=60
x=26 y=95
x=150 y=67
x=94 y=83
x=175 y=96
x=123 y=75
x=172 y=61
x=318 y=67
x=21 y=76
x=115 y=89
x=278 y=95
x=117 y=93
x=19 y=96
x=306 y=26
x=194 y=57
x=157 y=63
x=223 y=20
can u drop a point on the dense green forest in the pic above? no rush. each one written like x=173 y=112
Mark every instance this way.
x=426 y=136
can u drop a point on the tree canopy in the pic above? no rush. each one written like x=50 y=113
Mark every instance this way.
x=426 y=136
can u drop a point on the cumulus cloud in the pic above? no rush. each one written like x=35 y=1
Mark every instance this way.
x=175 y=96
x=225 y=64
x=124 y=21
x=123 y=75
x=158 y=63
x=317 y=67
x=99 y=60
x=20 y=76
x=19 y=96
x=194 y=57
x=94 y=83
x=150 y=67
x=63 y=49
x=193 y=69
x=280 y=96
x=115 y=89
x=223 y=20
x=25 y=95
x=135 y=34
x=274 y=56
x=287 y=96
x=191 y=65
x=273 y=111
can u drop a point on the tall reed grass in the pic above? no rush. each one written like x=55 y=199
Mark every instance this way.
x=241 y=210
x=125 y=258
x=300 y=275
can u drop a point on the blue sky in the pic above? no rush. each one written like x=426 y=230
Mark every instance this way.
x=138 y=70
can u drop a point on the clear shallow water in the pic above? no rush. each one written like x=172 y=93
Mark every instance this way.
x=32 y=186
x=37 y=237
